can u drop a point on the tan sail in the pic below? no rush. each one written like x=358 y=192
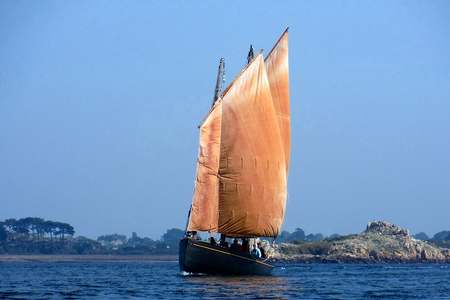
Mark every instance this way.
x=252 y=171
x=204 y=210
x=240 y=188
x=277 y=66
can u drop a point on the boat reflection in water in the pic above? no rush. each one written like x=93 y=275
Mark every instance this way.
x=255 y=287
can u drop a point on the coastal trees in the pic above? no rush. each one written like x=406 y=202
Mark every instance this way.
x=13 y=228
x=3 y=233
x=33 y=235
x=442 y=239
x=58 y=229
x=48 y=227
x=297 y=235
x=442 y=236
x=284 y=236
x=21 y=227
x=140 y=245
x=9 y=224
x=314 y=237
x=31 y=225
x=421 y=236
x=172 y=237
x=65 y=229
x=35 y=229
x=84 y=245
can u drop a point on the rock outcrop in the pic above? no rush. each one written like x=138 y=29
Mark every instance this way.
x=380 y=242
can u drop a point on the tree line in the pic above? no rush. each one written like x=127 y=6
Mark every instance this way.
x=121 y=244
x=37 y=235
x=442 y=238
x=35 y=229
x=33 y=235
x=299 y=235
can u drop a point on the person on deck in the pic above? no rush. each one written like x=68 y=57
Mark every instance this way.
x=223 y=241
x=212 y=241
x=236 y=247
x=194 y=235
x=256 y=253
x=245 y=245
x=263 y=252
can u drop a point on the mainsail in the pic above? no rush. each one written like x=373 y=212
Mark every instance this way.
x=241 y=182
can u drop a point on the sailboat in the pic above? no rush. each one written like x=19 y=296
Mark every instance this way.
x=242 y=167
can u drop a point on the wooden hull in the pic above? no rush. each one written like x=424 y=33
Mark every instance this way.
x=201 y=257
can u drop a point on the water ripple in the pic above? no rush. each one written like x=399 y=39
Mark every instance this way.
x=162 y=280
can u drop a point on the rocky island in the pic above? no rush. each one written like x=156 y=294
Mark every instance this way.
x=380 y=242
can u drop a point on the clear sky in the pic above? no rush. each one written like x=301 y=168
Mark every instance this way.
x=100 y=102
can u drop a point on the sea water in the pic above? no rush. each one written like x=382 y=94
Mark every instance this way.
x=162 y=280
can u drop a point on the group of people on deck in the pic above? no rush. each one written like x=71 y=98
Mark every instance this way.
x=240 y=246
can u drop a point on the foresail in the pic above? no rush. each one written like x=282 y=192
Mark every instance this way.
x=277 y=67
x=204 y=210
x=252 y=169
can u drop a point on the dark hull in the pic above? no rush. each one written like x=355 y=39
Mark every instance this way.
x=200 y=257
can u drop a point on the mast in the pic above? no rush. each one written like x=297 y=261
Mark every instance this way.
x=250 y=55
x=219 y=80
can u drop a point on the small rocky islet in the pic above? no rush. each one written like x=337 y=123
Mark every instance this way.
x=381 y=241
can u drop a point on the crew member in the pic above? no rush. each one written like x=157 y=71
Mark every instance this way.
x=223 y=241
x=236 y=247
x=263 y=252
x=245 y=245
x=212 y=241
x=256 y=253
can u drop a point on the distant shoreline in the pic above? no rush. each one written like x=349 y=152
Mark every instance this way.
x=83 y=258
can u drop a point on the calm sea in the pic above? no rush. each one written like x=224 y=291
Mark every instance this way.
x=162 y=280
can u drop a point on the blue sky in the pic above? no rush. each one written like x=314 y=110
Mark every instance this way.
x=100 y=102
